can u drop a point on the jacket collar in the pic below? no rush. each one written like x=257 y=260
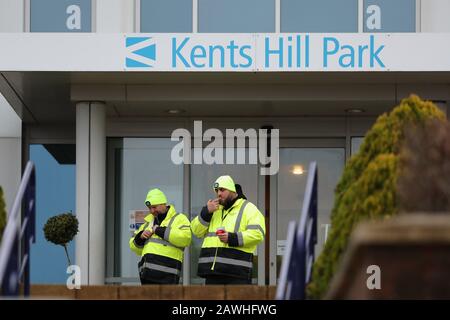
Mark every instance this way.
x=238 y=202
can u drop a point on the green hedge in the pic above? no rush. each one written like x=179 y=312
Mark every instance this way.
x=366 y=189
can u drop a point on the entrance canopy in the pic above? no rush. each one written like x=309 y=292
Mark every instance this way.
x=249 y=75
x=47 y=97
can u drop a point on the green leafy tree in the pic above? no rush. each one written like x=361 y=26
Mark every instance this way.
x=61 y=229
x=367 y=188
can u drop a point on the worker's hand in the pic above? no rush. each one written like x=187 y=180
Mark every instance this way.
x=223 y=237
x=146 y=234
x=212 y=205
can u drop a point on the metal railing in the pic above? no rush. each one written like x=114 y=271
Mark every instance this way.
x=17 y=238
x=296 y=268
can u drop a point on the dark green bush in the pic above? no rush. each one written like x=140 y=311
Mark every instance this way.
x=367 y=188
x=61 y=229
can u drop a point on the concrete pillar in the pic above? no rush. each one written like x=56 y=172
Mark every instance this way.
x=114 y=16
x=434 y=16
x=10 y=152
x=12 y=16
x=90 y=198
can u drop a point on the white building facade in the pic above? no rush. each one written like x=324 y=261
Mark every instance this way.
x=115 y=78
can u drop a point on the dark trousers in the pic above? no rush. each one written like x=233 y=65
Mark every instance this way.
x=226 y=280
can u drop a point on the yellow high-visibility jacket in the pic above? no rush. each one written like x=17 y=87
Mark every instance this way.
x=245 y=225
x=162 y=254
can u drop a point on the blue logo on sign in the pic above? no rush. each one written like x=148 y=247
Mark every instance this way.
x=141 y=52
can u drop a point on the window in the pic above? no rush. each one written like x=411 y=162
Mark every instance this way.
x=135 y=166
x=60 y=16
x=236 y=16
x=292 y=178
x=319 y=16
x=166 y=16
x=389 y=16
x=356 y=144
x=55 y=194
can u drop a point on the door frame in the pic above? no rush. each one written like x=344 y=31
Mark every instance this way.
x=339 y=143
x=306 y=132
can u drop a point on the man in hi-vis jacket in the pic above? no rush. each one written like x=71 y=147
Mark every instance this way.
x=231 y=228
x=160 y=241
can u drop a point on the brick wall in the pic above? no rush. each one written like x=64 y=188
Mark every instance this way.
x=155 y=292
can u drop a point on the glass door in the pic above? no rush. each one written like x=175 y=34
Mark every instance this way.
x=290 y=184
x=136 y=165
x=202 y=180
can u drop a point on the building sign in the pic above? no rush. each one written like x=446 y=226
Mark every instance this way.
x=60 y=16
x=281 y=247
x=278 y=52
x=226 y=52
x=136 y=219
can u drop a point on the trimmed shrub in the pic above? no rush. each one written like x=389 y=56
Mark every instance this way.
x=2 y=214
x=61 y=229
x=366 y=189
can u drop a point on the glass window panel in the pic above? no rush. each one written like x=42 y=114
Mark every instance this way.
x=55 y=194
x=166 y=16
x=144 y=164
x=356 y=144
x=236 y=16
x=292 y=177
x=60 y=15
x=389 y=16
x=319 y=16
